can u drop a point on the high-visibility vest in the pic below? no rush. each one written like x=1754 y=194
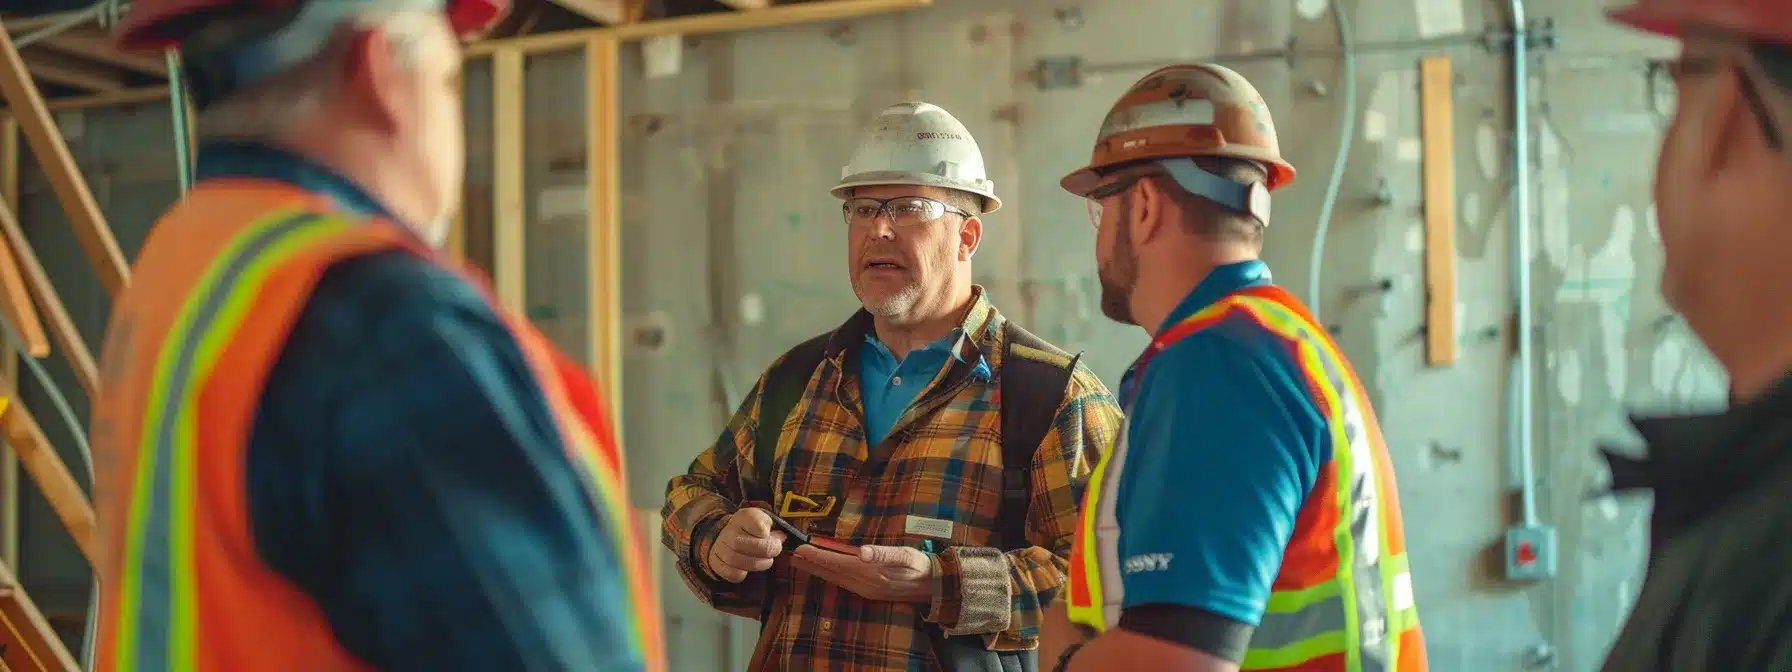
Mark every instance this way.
x=217 y=286
x=1343 y=597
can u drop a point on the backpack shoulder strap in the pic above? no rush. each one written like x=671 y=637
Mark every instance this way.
x=779 y=393
x=1035 y=378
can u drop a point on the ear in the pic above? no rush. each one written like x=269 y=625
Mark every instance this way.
x=1149 y=206
x=372 y=78
x=970 y=237
x=1729 y=127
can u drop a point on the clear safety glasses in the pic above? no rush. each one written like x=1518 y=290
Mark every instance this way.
x=902 y=211
x=1104 y=192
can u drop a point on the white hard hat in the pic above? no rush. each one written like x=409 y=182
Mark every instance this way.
x=918 y=144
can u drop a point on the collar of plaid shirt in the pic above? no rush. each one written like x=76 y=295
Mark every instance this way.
x=979 y=332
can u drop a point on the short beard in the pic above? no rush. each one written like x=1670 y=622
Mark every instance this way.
x=1119 y=275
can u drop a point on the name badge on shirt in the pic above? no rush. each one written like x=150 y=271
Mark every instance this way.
x=928 y=527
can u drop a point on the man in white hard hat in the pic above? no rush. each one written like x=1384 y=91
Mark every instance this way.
x=902 y=491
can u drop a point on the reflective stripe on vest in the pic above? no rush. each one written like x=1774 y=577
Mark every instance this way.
x=176 y=504
x=1357 y=614
x=158 y=630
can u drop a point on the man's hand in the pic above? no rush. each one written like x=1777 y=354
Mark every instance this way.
x=747 y=544
x=889 y=573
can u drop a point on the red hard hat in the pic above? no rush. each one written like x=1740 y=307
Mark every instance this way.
x=147 y=24
x=1768 y=20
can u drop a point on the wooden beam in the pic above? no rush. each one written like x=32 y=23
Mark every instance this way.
x=508 y=205
x=75 y=73
x=147 y=94
x=61 y=326
x=776 y=16
x=607 y=12
x=747 y=4
x=603 y=230
x=91 y=44
x=47 y=145
x=15 y=299
x=701 y=24
x=27 y=24
x=1438 y=135
x=9 y=361
x=52 y=476
x=28 y=642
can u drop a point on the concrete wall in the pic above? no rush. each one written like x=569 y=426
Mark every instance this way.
x=733 y=250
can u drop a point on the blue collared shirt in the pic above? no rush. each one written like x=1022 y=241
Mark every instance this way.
x=889 y=386
x=403 y=474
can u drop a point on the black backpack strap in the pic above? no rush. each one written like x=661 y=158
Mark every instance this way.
x=779 y=393
x=1035 y=378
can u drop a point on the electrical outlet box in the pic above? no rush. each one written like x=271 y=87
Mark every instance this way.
x=1530 y=552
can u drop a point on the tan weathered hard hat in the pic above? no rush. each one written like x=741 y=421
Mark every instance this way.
x=1185 y=112
x=918 y=144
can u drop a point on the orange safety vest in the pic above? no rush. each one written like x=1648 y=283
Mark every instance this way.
x=218 y=285
x=1343 y=597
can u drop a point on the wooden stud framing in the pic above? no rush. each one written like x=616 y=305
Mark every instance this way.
x=700 y=24
x=147 y=94
x=15 y=299
x=603 y=198
x=9 y=362
x=509 y=210
x=40 y=649
x=775 y=16
x=607 y=12
x=1438 y=134
x=46 y=468
x=92 y=44
x=61 y=326
x=47 y=145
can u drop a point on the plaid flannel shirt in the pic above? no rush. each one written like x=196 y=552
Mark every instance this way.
x=942 y=460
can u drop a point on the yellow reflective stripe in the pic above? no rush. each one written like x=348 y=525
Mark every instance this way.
x=159 y=630
x=1310 y=349
x=1290 y=601
x=1093 y=614
x=1322 y=644
x=613 y=505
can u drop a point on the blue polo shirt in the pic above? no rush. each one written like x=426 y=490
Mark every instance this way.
x=889 y=386
x=1224 y=443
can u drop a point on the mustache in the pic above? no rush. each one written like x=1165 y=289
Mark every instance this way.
x=882 y=253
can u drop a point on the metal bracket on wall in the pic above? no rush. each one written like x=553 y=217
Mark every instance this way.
x=1540 y=35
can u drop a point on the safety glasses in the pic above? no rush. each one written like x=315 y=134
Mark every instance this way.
x=902 y=210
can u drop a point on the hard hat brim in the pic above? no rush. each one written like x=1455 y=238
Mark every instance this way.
x=1082 y=182
x=1647 y=20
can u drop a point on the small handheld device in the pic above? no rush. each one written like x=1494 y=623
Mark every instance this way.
x=795 y=538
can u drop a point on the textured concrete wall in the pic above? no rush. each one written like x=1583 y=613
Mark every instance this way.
x=733 y=250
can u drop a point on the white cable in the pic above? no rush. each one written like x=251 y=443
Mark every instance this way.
x=1346 y=137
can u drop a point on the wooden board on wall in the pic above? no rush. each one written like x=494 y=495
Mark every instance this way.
x=1438 y=135
x=604 y=222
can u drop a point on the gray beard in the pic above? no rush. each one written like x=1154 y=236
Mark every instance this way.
x=895 y=304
